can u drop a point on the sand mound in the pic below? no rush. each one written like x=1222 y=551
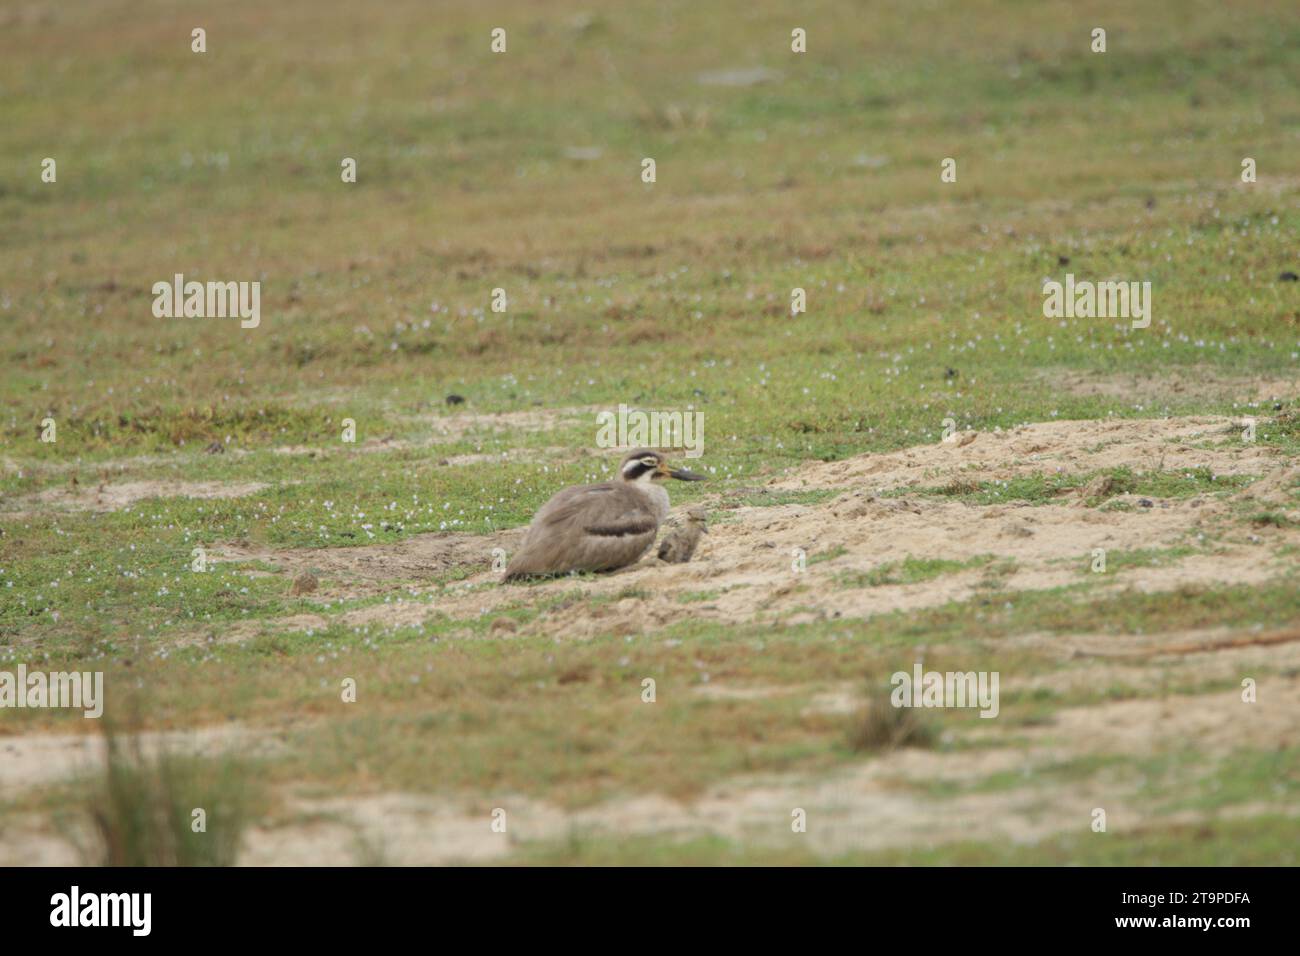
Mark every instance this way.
x=746 y=567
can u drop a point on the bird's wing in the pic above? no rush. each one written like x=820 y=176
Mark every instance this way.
x=591 y=528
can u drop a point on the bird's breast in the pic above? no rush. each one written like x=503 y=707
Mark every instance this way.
x=658 y=500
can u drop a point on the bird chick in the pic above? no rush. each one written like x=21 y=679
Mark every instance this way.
x=679 y=544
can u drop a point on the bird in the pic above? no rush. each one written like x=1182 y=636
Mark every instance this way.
x=680 y=543
x=599 y=527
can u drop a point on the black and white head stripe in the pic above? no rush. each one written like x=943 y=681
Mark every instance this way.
x=639 y=463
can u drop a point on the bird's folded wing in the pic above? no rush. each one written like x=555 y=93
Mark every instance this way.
x=630 y=523
x=603 y=511
x=571 y=504
x=588 y=529
x=615 y=541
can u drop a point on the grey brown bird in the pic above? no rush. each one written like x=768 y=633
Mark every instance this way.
x=679 y=545
x=599 y=527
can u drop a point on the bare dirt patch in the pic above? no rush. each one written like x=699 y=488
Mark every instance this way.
x=1068 y=447
x=878 y=803
x=744 y=569
x=30 y=760
x=105 y=498
x=368 y=569
x=32 y=840
x=1201 y=382
x=454 y=426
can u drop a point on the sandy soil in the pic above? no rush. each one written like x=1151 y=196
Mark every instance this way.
x=29 y=760
x=1065 y=446
x=877 y=804
x=114 y=497
x=1204 y=382
x=744 y=570
x=874 y=805
x=454 y=425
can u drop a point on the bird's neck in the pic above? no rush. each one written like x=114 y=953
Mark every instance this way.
x=655 y=495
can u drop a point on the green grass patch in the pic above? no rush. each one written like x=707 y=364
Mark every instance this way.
x=910 y=571
x=1100 y=486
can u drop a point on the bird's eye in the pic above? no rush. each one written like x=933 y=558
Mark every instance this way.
x=649 y=462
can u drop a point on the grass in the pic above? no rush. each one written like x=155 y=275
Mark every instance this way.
x=924 y=304
x=1273 y=519
x=1140 y=558
x=1244 y=778
x=165 y=809
x=1217 y=842
x=910 y=571
x=881 y=725
x=1098 y=486
x=767 y=498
